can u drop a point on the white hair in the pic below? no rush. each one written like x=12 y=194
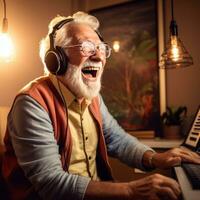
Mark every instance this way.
x=61 y=39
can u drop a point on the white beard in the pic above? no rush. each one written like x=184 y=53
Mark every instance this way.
x=80 y=86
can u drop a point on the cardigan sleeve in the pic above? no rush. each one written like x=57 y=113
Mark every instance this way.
x=120 y=144
x=37 y=152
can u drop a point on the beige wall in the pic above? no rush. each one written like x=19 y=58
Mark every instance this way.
x=183 y=85
x=28 y=22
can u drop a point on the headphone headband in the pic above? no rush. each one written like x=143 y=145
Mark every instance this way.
x=56 y=27
x=60 y=24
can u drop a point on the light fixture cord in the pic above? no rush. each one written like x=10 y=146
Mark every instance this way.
x=172 y=9
x=173 y=25
x=5 y=20
x=4 y=8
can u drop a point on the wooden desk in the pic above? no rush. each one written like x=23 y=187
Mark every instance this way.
x=159 y=143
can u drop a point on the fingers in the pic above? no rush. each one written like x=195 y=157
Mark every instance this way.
x=188 y=156
x=165 y=186
x=174 y=161
x=167 y=193
x=155 y=186
x=168 y=159
x=172 y=184
x=184 y=154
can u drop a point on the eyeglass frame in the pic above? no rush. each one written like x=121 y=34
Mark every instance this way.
x=96 y=47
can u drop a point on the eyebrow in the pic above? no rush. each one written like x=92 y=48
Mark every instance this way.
x=88 y=39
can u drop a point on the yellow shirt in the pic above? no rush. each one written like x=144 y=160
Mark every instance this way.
x=83 y=132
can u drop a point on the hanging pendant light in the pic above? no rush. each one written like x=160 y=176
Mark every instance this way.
x=175 y=54
x=6 y=44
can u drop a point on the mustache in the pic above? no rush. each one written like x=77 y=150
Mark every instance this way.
x=92 y=64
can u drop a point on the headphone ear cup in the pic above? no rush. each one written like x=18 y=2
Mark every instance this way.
x=56 y=61
x=63 y=61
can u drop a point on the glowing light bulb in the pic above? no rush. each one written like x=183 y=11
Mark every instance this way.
x=175 y=52
x=6 y=48
x=116 y=46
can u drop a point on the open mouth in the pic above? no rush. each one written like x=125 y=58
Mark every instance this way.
x=90 y=72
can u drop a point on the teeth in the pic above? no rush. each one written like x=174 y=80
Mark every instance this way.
x=92 y=65
x=91 y=68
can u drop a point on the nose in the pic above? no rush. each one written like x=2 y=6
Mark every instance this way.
x=97 y=56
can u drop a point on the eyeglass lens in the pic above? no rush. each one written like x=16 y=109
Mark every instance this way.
x=89 y=48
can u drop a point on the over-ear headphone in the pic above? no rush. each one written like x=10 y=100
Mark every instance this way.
x=56 y=59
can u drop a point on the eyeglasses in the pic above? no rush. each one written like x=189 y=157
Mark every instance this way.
x=89 y=48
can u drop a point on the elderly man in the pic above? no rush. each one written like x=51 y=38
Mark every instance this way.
x=60 y=133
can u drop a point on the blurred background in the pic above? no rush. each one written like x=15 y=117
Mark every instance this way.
x=28 y=24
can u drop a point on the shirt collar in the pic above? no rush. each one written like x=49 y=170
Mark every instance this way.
x=66 y=93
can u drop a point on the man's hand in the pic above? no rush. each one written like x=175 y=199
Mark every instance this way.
x=154 y=187
x=174 y=157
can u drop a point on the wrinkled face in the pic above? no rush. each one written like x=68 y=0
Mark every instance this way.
x=83 y=76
